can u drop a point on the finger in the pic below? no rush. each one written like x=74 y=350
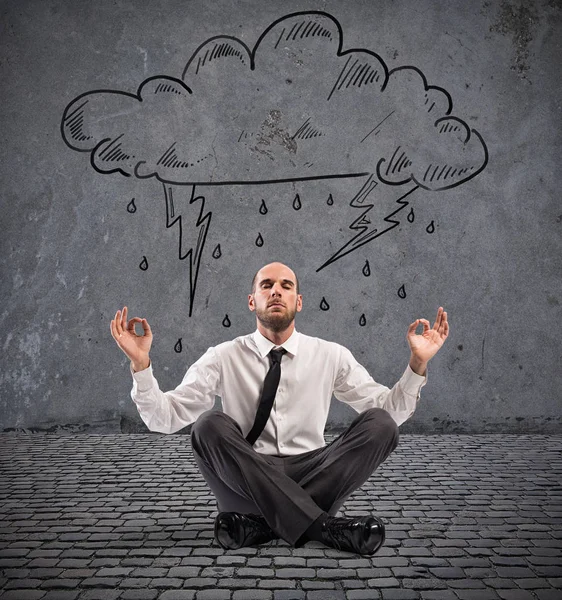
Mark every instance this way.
x=146 y=327
x=438 y=318
x=114 y=330
x=412 y=328
x=426 y=325
x=124 y=318
x=131 y=325
x=118 y=329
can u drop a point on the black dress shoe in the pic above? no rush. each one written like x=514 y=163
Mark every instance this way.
x=362 y=536
x=234 y=530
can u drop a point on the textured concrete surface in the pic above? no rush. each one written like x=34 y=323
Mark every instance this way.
x=73 y=246
x=128 y=517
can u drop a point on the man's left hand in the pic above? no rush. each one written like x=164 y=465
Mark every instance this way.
x=425 y=346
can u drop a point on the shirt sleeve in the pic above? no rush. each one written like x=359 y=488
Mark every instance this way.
x=356 y=387
x=168 y=412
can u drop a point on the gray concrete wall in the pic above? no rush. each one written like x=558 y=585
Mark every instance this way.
x=403 y=155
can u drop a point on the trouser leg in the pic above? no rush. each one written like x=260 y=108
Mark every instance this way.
x=219 y=445
x=331 y=474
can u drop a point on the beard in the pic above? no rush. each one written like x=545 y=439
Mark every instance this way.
x=276 y=321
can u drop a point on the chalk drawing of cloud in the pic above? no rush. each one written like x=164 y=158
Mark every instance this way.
x=295 y=107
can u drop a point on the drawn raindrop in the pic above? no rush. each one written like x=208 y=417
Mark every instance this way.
x=362 y=320
x=178 y=347
x=226 y=321
x=411 y=215
x=259 y=240
x=324 y=305
x=330 y=200
x=402 y=292
x=217 y=251
x=263 y=208
x=131 y=207
x=366 y=269
x=430 y=228
x=144 y=264
x=297 y=202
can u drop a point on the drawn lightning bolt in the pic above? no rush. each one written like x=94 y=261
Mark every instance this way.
x=190 y=245
x=366 y=232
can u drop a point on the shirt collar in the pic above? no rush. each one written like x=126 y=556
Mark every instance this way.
x=264 y=345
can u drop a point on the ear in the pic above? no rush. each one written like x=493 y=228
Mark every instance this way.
x=251 y=302
x=299 y=302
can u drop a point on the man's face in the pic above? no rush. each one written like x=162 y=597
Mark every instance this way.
x=275 y=299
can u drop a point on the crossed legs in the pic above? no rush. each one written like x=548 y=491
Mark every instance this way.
x=290 y=492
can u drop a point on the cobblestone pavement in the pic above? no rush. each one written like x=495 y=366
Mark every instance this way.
x=129 y=517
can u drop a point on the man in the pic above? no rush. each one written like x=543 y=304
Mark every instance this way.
x=289 y=484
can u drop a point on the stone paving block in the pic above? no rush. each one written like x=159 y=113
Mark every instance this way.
x=199 y=582
x=139 y=595
x=22 y=594
x=61 y=595
x=237 y=583
x=550 y=594
x=515 y=594
x=166 y=582
x=295 y=573
x=477 y=594
x=363 y=595
x=383 y=582
x=177 y=595
x=252 y=595
x=317 y=585
x=425 y=584
x=326 y=595
x=134 y=582
x=292 y=561
x=101 y=594
x=289 y=595
x=400 y=594
x=214 y=595
x=438 y=595
x=273 y=584
x=100 y=582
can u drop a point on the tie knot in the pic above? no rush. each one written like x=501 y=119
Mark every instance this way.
x=275 y=355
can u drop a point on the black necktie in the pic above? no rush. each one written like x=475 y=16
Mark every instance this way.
x=268 y=394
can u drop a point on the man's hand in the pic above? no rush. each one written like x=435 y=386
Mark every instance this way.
x=136 y=347
x=426 y=345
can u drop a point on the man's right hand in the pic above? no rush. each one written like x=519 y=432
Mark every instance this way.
x=135 y=346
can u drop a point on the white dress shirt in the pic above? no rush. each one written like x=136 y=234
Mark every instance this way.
x=311 y=371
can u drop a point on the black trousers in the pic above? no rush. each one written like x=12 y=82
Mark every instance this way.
x=289 y=491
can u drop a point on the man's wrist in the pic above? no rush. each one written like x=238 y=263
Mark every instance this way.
x=418 y=366
x=140 y=366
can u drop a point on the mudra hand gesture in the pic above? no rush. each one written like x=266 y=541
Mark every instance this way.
x=135 y=346
x=425 y=345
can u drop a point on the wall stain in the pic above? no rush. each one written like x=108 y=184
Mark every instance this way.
x=517 y=21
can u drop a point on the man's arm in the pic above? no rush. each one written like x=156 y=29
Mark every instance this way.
x=168 y=412
x=355 y=386
x=165 y=412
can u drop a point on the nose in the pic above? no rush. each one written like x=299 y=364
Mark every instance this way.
x=276 y=290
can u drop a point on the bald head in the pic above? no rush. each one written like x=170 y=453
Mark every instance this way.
x=275 y=268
